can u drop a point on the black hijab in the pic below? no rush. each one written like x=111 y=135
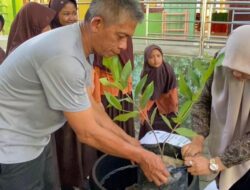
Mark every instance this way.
x=163 y=76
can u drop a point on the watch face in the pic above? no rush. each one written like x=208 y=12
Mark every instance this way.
x=213 y=167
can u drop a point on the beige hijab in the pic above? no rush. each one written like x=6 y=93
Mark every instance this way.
x=230 y=110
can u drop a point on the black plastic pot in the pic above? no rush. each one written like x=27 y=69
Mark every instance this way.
x=113 y=173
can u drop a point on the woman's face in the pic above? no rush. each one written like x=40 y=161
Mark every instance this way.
x=240 y=76
x=155 y=59
x=68 y=14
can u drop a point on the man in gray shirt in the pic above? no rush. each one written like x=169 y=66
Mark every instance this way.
x=46 y=81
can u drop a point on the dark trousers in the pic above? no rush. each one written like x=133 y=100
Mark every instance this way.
x=37 y=174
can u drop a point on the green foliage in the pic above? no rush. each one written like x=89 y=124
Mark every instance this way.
x=166 y=120
x=184 y=88
x=185 y=132
x=191 y=97
x=126 y=116
x=113 y=101
x=152 y=118
x=139 y=86
x=191 y=81
x=105 y=82
x=190 y=90
x=183 y=113
x=121 y=76
x=148 y=92
x=125 y=74
x=113 y=64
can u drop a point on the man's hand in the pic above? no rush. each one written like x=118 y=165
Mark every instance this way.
x=193 y=148
x=153 y=168
x=133 y=141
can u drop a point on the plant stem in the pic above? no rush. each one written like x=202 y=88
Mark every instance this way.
x=151 y=127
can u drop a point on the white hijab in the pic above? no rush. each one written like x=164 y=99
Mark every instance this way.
x=230 y=109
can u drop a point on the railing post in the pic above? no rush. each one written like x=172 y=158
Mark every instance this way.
x=232 y=25
x=147 y=18
x=202 y=29
x=211 y=6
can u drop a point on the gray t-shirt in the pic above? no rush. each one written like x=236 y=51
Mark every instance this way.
x=43 y=77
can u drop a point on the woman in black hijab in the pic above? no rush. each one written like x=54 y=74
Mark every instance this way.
x=66 y=12
x=165 y=96
x=31 y=20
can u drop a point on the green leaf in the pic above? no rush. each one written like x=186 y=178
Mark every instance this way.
x=166 y=120
x=185 y=132
x=210 y=70
x=214 y=62
x=146 y=95
x=107 y=62
x=198 y=64
x=105 y=82
x=109 y=106
x=184 y=111
x=128 y=100
x=175 y=119
x=194 y=78
x=184 y=88
x=125 y=74
x=116 y=68
x=113 y=101
x=152 y=118
x=196 y=95
x=118 y=85
x=140 y=86
x=126 y=116
x=114 y=65
x=220 y=59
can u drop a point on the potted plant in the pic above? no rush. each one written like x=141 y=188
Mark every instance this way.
x=141 y=96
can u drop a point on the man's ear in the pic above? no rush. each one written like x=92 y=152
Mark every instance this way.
x=96 y=23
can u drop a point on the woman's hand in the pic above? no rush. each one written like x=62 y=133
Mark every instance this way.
x=193 y=148
x=198 y=165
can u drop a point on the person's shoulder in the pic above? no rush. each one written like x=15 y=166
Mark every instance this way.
x=68 y=28
x=67 y=65
x=64 y=32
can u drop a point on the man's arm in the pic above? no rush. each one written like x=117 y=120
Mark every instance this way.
x=88 y=131
x=102 y=118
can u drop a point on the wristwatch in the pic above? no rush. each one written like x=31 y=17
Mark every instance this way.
x=213 y=166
